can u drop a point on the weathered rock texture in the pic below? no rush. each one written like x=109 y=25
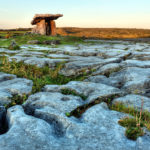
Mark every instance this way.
x=45 y=24
x=10 y=85
x=115 y=71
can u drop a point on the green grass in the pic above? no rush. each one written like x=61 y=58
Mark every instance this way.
x=22 y=39
x=66 y=91
x=39 y=76
x=14 y=47
x=81 y=109
x=143 y=115
x=5 y=33
x=108 y=73
x=17 y=100
x=5 y=42
x=133 y=130
x=133 y=126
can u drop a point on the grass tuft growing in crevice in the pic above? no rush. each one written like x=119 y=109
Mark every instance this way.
x=133 y=130
x=134 y=125
x=144 y=116
x=108 y=73
x=66 y=91
x=81 y=109
x=17 y=100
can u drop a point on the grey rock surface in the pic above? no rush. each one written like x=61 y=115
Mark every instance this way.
x=40 y=62
x=134 y=80
x=141 y=56
x=108 y=69
x=92 y=131
x=91 y=90
x=137 y=63
x=85 y=65
x=111 y=81
x=136 y=101
x=10 y=85
x=115 y=70
x=64 y=103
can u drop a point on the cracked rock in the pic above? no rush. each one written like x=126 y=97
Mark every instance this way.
x=93 y=131
x=91 y=90
x=10 y=85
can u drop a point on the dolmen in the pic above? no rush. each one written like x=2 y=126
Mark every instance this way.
x=45 y=24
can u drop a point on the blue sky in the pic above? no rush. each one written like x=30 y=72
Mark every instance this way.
x=78 y=13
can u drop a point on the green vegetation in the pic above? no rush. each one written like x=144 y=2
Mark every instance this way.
x=10 y=33
x=45 y=75
x=39 y=76
x=81 y=109
x=14 y=47
x=5 y=42
x=17 y=100
x=134 y=132
x=133 y=125
x=68 y=114
x=142 y=116
x=133 y=129
x=108 y=73
x=23 y=38
x=142 y=119
x=66 y=91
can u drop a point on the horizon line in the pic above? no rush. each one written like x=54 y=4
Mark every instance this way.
x=80 y=27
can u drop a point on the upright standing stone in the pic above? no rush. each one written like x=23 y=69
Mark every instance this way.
x=53 y=27
x=45 y=24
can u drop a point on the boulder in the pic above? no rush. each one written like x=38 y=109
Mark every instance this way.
x=14 y=46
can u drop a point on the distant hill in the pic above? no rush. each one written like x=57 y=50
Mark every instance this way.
x=103 y=33
x=18 y=29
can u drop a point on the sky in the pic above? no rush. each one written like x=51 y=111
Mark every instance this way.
x=78 y=13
